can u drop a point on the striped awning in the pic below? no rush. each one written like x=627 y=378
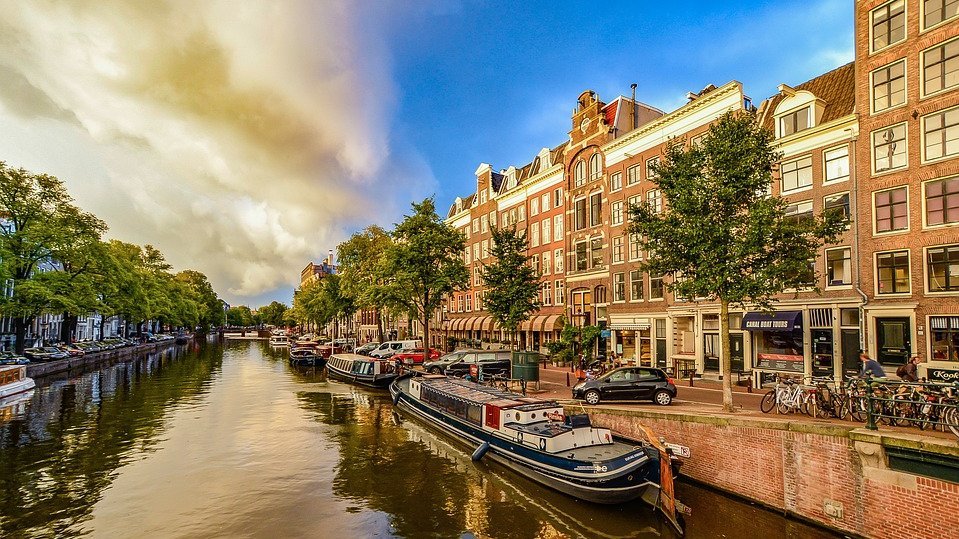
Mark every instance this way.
x=629 y=323
x=549 y=322
x=458 y=324
x=484 y=323
x=472 y=323
x=527 y=325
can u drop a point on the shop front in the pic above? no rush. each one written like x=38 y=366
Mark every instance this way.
x=943 y=363
x=777 y=343
x=631 y=335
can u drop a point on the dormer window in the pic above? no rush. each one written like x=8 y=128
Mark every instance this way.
x=794 y=122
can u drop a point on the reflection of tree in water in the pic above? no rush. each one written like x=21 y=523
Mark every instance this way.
x=56 y=461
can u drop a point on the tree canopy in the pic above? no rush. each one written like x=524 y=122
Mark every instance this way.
x=512 y=285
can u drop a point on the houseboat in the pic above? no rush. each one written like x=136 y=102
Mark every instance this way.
x=357 y=369
x=306 y=355
x=13 y=380
x=535 y=438
x=279 y=340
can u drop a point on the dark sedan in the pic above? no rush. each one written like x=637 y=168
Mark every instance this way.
x=628 y=383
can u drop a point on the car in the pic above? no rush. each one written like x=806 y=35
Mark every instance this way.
x=488 y=363
x=11 y=358
x=364 y=350
x=72 y=349
x=628 y=383
x=416 y=356
x=389 y=348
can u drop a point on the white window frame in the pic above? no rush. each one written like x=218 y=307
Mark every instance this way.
x=825 y=161
x=841 y=286
x=546 y=262
x=905 y=31
x=546 y=231
x=558 y=227
x=922 y=138
x=559 y=298
x=922 y=67
x=925 y=271
x=875 y=230
x=925 y=223
x=875 y=272
x=798 y=188
x=544 y=202
x=622 y=299
x=533 y=234
x=922 y=18
x=622 y=250
x=558 y=261
x=872 y=149
x=810 y=120
x=905 y=86
x=615 y=182
x=534 y=207
x=650 y=175
x=638 y=176
x=616 y=213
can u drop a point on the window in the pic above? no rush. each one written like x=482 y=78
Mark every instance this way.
x=635 y=285
x=655 y=200
x=557 y=197
x=582 y=262
x=546 y=262
x=544 y=202
x=534 y=263
x=596 y=252
x=892 y=210
x=476 y=251
x=940 y=67
x=941 y=134
x=650 y=164
x=617 y=250
x=942 y=201
x=838 y=203
x=635 y=252
x=534 y=235
x=560 y=287
x=945 y=337
x=534 y=207
x=632 y=175
x=794 y=122
x=888 y=24
x=466 y=256
x=485 y=249
x=595 y=166
x=547 y=231
x=836 y=163
x=522 y=213
x=619 y=287
x=889 y=148
x=483 y=196
x=476 y=225
x=838 y=267
x=943 y=265
x=579 y=214
x=579 y=173
x=889 y=86
x=492 y=218
x=547 y=293
x=616 y=209
x=484 y=221
x=616 y=181
x=558 y=227
x=656 y=287
x=797 y=174
x=469 y=302
x=459 y=303
x=634 y=200
x=595 y=209
x=800 y=211
x=893 y=271
x=937 y=11
x=697 y=141
x=558 y=261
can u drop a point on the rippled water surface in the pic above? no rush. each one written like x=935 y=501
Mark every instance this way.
x=230 y=441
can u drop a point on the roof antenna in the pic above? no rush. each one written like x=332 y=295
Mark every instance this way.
x=633 y=115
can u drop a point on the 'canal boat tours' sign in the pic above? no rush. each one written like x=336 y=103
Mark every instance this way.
x=780 y=362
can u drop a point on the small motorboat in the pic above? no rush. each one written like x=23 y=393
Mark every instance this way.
x=368 y=371
x=279 y=340
x=14 y=380
x=306 y=356
x=535 y=438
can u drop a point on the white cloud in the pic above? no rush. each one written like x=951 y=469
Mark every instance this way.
x=241 y=138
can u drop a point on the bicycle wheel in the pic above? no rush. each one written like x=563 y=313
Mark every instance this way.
x=951 y=419
x=840 y=408
x=768 y=402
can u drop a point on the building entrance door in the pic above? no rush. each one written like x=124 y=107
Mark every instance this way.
x=737 y=352
x=850 y=351
x=822 y=352
x=894 y=340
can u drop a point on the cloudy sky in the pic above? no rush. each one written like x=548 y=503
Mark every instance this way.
x=245 y=138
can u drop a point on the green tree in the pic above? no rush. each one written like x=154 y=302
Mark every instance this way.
x=512 y=285
x=362 y=259
x=41 y=226
x=721 y=236
x=425 y=262
x=330 y=304
x=240 y=316
x=209 y=308
x=274 y=313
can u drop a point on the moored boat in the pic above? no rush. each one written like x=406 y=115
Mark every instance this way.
x=535 y=438
x=279 y=340
x=13 y=380
x=306 y=355
x=357 y=369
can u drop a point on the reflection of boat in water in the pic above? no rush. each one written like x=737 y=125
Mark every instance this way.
x=15 y=405
x=534 y=438
x=357 y=369
x=13 y=380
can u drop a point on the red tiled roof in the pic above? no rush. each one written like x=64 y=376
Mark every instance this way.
x=610 y=111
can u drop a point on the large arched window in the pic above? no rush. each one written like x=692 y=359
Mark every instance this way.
x=579 y=173
x=595 y=166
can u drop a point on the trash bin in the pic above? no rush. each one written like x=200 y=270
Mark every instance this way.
x=525 y=365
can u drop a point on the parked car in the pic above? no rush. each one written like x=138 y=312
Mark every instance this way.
x=389 y=348
x=628 y=383
x=439 y=366
x=488 y=362
x=10 y=358
x=72 y=349
x=364 y=350
x=416 y=356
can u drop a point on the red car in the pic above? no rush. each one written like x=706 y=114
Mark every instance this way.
x=414 y=356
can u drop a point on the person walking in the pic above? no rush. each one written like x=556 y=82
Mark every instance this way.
x=870 y=367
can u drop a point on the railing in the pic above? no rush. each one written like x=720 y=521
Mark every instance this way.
x=916 y=404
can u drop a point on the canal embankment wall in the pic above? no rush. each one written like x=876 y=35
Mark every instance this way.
x=856 y=481
x=47 y=368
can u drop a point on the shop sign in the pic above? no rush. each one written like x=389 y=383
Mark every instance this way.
x=606 y=333
x=768 y=324
x=780 y=362
x=943 y=375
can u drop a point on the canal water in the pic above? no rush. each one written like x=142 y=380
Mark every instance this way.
x=229 y=441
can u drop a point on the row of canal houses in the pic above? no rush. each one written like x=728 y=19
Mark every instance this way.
x=877 y=139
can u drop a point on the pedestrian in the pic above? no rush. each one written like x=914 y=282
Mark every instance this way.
x=871 y=367
x=909 y=372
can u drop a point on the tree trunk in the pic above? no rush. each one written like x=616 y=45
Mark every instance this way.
x=20 y=333
x=725 y=362
x=379 y=325
x=103 y=322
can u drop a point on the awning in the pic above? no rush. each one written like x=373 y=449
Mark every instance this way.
x=472 y=323
x=527 y=325
x=485 y=323
x=629 y=323
x=549 y=324
x=775 y=321
x=458 y=324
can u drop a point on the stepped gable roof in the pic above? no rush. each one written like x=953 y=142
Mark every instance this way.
x=836 y=88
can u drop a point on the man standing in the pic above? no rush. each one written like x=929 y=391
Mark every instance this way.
x=871 y=366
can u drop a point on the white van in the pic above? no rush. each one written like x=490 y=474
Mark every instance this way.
x=389 y=348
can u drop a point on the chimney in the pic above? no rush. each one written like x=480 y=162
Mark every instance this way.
x=633 y=110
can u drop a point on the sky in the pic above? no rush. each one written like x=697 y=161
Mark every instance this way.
x=246 y=138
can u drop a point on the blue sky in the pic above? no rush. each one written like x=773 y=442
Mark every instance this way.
x=495 y=81
x=244 y=139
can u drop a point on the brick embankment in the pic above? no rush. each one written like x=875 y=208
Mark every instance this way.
x=839 y=475
x=38 y=370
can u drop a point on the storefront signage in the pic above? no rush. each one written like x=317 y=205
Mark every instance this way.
x=780 y=362
x=943 y=375
x=768 y=324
